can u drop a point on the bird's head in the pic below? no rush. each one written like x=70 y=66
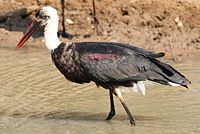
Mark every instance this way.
x=45 y=17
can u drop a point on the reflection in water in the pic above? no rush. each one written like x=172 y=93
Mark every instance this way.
x=36 y=98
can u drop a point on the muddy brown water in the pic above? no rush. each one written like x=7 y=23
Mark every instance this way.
x=36 y=99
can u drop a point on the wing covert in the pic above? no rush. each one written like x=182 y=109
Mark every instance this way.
x=114 y=62
x=110 y=68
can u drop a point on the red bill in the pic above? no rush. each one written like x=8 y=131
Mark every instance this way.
x=34 y=26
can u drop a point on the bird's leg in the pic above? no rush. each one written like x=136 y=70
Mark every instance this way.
x=112 y=106
x=63 y=33
x=63 y=15
x=118 y=94
x=96 y=21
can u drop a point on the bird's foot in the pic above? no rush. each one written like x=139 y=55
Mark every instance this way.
x=65 y=35
x=98 y=28
x=132 y=120
x=110 y=115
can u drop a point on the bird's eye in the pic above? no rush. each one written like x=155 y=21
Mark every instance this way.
x=47 y=17
x=42 y=15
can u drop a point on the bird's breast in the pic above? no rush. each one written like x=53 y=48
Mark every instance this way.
x=68 y=63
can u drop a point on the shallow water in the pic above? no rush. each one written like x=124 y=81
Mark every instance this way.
x=36 y=99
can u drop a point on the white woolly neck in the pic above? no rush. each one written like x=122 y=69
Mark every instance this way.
x=50 y=33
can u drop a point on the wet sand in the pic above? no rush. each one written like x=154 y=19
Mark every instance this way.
x=36 y=98
x=170 y=25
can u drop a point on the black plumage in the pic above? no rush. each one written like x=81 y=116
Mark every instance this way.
x=111 y=65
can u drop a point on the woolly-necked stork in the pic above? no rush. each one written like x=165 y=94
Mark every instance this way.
x=108 y=64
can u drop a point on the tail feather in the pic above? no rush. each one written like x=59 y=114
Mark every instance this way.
x=165 y=74
x=158 y=55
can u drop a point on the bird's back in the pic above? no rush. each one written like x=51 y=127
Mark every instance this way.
x=112 y=63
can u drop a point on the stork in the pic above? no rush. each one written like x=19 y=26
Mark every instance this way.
x=108 y=64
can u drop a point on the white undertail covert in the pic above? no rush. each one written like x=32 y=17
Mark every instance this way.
x=138 y=87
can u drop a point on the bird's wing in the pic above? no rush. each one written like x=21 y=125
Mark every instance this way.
x=112 y=63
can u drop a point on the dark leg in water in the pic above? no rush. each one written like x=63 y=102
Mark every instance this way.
x=112 y=107
x=118 y=94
